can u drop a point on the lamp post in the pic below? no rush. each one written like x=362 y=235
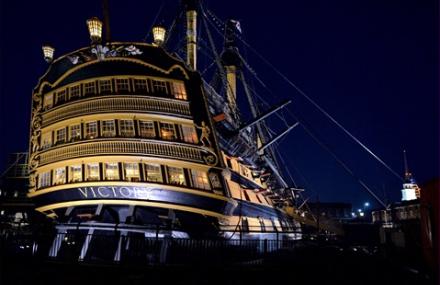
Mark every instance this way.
x=48 y=52
x=95 y=30
x=159 y=33
x=94 y=26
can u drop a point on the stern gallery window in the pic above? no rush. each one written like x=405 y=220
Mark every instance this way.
x=111 y=171
x=131 y=171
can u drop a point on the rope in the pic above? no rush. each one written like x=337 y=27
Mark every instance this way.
x=154 y=21
x=316 y=105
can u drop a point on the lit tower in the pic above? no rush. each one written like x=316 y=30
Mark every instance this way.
x=411 y=190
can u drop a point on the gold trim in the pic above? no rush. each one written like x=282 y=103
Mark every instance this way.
x=133 y=60
x=129 y=202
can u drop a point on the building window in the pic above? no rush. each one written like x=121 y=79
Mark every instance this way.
x=75 y=91
x=44 y=179
x=48 y=101
x=122 y=85
x=92 y=171
x=200 y=179
x=140 y=84
x=46 y=140
x=179 y=91
x=111 y=171
x=146 y=129
x=75 y=132
x=108 y=128
x=105 y=86
x=176 y=176
x=131 y=171
x=59 y=176
x=159 y=86
x=60 y=97
x=126 y=128
x=154 y=173
x=75 y=173
x=61 y=136
x=91 y=130
x=189 y=134
x=89 y=88
x=167 y=131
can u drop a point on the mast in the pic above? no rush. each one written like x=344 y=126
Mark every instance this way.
x=106 y=15
x=191 y=33
x=231 y=61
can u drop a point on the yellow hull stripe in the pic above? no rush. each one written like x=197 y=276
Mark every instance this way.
x=131 y=203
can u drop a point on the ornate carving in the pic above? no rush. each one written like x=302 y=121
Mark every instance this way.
x=204 y=136
x=32 y=180
x=34 y=161
x=210 y=158
x=35 y=140
x=36 y=123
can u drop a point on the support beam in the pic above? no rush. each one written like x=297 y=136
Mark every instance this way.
x=265 y=115
x=278 y=137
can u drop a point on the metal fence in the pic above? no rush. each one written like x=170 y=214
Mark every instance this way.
x=127 y=249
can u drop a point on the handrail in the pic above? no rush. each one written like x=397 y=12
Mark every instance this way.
x=141 y=104
x=138 y=147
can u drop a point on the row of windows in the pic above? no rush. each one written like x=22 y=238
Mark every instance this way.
x=125 y=171
x=172 y=89
x=120 y=128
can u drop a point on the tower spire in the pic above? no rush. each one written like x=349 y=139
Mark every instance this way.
x=405 y=161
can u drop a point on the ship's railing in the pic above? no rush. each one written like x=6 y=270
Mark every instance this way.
x=117 y=104
x=142 y=147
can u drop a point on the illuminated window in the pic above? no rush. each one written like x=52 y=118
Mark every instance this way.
x=59 y=175
x=89 y=88
x=44 y=179
x=179 y=91
x=75 y=132
x=159 y=86
x=75 y=91
x=108 y=128
x=154 y=173
x=189 y=134
x=122 y=84
x=92 y=171
x=176 y=176
x=60 y=96
x=126 y=128
x=75 y=173
x=146 y=129
x=48 y=101
x=167 y=131
x=46 y=140
x=61 y=135
x=141 y=84
x=91 y=130
x=131 y=171
x=200 y=179
x=105 y=86
x=111 y=171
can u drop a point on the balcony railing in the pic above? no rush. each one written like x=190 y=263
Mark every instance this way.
x=139 y=147
x=117 y=104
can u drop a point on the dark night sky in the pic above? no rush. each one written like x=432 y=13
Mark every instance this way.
x=372 y=64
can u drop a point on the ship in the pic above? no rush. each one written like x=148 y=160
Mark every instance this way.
x=129 y=139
